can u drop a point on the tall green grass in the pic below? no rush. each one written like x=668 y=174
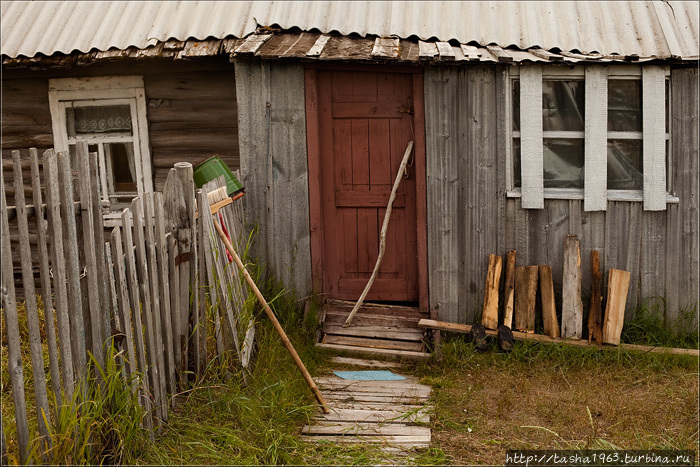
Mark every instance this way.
x=649 y=326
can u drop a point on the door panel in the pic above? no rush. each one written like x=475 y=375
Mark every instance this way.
x=365 y=124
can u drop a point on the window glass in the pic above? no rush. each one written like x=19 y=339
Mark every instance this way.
x=625 y=164
x=114 y=119
x=563 y=163
x=624 y=105
x=122 y=165
x=562 y=105
x=516 y=162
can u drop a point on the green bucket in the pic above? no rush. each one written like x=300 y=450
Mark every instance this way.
x=212 y=168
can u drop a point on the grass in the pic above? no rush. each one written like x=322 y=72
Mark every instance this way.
x=558 y=397
x=536 y=397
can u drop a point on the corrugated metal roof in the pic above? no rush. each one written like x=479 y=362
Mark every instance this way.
x=652 y=28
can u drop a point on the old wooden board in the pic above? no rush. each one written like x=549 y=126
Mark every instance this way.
x=618 y=284
x=383 y=412
x=407 y=334
x=364 y=363
x=489 y=317
x=374 y=351
x=549 y=307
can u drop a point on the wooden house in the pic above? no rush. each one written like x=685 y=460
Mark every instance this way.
x=531 y=121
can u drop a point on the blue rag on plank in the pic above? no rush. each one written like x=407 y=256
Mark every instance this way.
x=369 y=375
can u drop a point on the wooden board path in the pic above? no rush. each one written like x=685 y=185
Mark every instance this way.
x=393 y=414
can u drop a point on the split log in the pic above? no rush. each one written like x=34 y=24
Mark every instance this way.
x=572 y=307
x=510 y=290
x=549 y=307
x=618 y=284
x=525 y=296
x=489 y=316
x=595 y=314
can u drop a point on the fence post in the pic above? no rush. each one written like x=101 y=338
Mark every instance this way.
x=41 y=227
x=58 y=262
x=42 y=401
x=14 y=354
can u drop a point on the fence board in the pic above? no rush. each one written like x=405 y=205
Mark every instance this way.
x=198 y=322
x=137 y=322
x=112 y=284
x=41 y=399
x=89 y=248
x=44 y=274
x=14 y=361
x=59 y=269
x=154 y=284
x=75 y=299
x=99 y=229
x=163 y=273
x=174 y=308
x=146 y=304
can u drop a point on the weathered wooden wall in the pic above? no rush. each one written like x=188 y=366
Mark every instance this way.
x=272 y=132
x=470 y=217
x=191 y=110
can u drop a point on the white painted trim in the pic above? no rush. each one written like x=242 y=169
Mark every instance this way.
x=100 y=91
x=625 y=135
x=654 y=129
x=577 y=193
x=531 y=159
x=596 y=142
x=564 y=134
x=510 y=134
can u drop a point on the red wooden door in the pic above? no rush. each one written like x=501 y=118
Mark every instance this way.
x=365 y=124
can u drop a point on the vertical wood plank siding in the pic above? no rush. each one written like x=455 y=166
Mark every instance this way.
x=272 y=132
x=468 y=218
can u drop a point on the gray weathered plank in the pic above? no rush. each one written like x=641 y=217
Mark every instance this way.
x=174 y=278
x=146 y=305
x=154 y=284
x=41 y=397
x=199 y=322
x=317 y=48
x=572 y=308
x=42 y=250
x=58 y=262
x=99 y=228
x=408 y=334
x=386 y=47
x=382 y=416
x=14 y=360
x=124 y=306
x=252 y=44
x=75 y=300
x=86 y=208
x=165 y=276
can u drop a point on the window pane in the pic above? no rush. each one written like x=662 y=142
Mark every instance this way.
x=516 y=105
x=115 y=119
x=625 y=164
x=563 y=105
x=624 y=105
x=563 y=163
x=516 y=162
x=121 y=157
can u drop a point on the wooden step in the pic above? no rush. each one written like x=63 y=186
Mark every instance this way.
x=374 y=343
x=381 y=332
x=338 y=317
x=375 y=351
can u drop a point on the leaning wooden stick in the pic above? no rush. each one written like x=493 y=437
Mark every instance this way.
x=273 y=318
x=382 y=239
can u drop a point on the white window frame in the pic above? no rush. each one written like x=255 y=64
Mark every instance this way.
x=103 y=91
x=595 y=193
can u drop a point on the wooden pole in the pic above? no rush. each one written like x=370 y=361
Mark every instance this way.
x=524 y=336
x=382 y=237
x=273 y=318
x=489 y=316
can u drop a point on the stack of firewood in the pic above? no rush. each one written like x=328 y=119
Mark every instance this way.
x=520 y=297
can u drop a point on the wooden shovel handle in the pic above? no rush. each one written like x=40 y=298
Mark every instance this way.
x=273 y=318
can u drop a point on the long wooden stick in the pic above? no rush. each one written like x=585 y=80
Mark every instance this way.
x=382 y=239
x=273 y=318
x=525 y=336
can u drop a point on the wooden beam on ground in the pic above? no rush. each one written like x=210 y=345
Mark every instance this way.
x=595 y=314
x=572 y=307
x=509 y=290
x=489 y=316
x=549 y=307
x=524 y=336
x=618 y=284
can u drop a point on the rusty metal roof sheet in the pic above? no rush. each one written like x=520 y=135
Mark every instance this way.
x=647 y=29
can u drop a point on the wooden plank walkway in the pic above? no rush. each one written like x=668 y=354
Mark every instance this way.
x=394 y=414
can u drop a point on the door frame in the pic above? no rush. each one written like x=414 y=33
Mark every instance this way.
x=314 y=169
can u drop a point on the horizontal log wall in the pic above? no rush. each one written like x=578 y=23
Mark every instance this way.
x=469 y=216
x=191 y=112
